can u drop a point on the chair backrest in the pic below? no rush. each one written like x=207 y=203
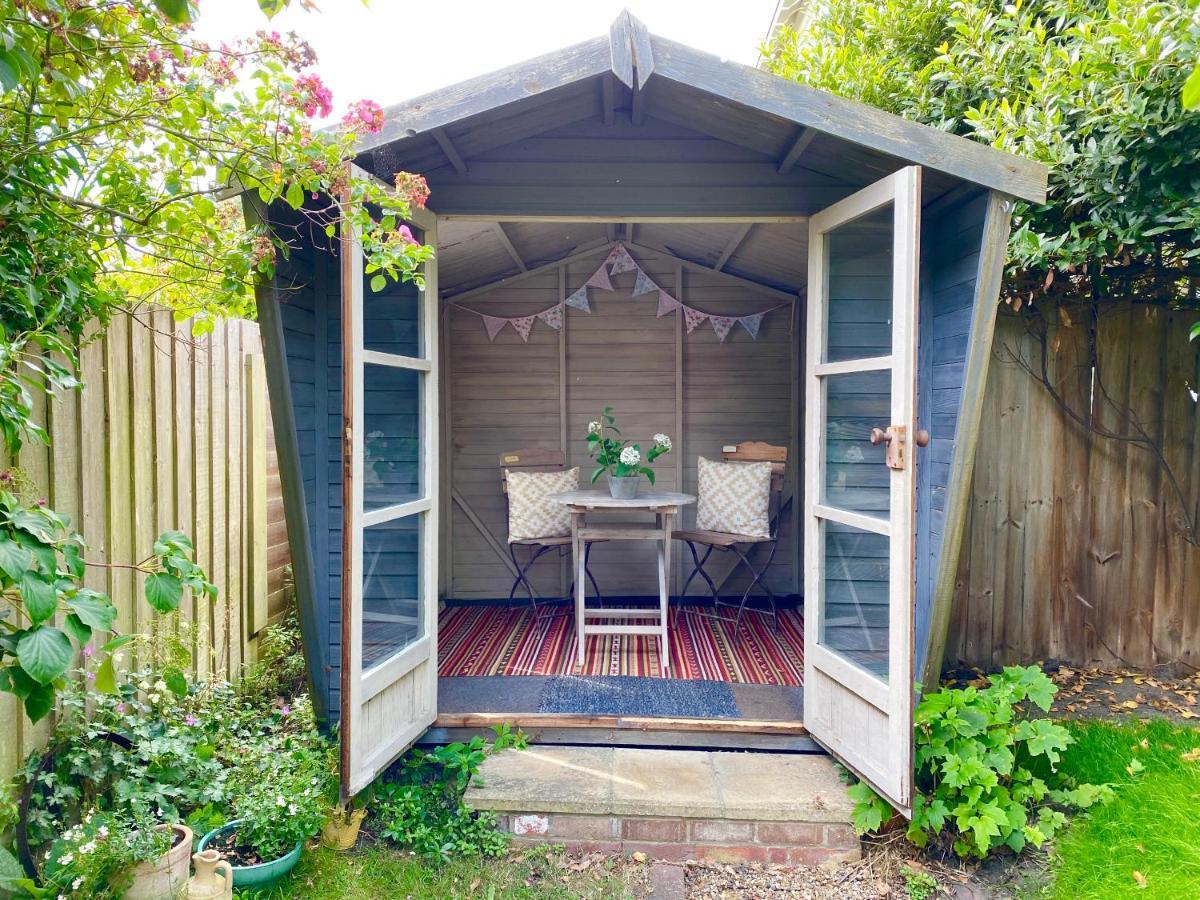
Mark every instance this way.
x=531 y=459
x=758 y=451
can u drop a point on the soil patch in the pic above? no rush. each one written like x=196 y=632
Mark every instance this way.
x=238 y=854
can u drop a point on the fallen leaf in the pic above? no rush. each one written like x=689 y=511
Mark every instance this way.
x=1139 y=878
x=1130 y=704
x=1192 y=755
x=639 y=857
x=475 y=884
x=1145 y=744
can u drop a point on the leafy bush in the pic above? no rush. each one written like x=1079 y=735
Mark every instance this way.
x=986 y=771
x=419 y=803
x=93 y=858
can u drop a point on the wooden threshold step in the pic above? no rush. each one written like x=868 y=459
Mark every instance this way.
x=530 y=721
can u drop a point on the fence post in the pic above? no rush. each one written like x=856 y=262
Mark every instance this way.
x=256 y=499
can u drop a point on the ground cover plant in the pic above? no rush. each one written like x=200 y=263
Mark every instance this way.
x=987 y=770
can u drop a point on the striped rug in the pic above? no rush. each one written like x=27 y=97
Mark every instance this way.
x=503 y=640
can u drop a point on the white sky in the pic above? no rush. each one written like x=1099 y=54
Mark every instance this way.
x=395 y=49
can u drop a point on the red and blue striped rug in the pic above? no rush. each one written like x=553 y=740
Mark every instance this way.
x=508 y=640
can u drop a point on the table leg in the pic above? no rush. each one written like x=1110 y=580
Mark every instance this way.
x=577 y=549
x=664 y=587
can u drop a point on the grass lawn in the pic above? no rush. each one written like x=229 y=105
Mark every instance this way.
x=1151 y=827
x=381 y=872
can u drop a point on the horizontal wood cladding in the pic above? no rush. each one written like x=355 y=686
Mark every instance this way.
x=586 y=168
x=508 y=394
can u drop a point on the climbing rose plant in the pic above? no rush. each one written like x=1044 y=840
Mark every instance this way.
x=121 y=136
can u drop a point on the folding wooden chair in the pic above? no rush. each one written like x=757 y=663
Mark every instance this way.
x=534 y=459
x=744 y=547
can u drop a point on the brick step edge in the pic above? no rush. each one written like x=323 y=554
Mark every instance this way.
x=679 y=839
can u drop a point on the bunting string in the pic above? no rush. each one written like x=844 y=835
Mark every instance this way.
x=618 y=262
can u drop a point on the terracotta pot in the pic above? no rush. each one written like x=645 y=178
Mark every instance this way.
x=162 y=878
x=341 y=831
x=213 y=879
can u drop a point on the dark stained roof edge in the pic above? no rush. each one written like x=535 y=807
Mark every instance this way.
x=631 y=53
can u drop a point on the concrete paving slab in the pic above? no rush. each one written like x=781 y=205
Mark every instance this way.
x=665 y=783
x=545 y=779
x=782 y=787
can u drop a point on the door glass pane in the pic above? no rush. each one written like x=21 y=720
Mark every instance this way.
x=859 y=286
x=392 y=316
x=854 y=596
x=392 y=616
x=391 y=435
x=856 y=476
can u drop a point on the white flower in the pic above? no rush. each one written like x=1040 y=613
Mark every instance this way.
x=593 y=427
x=280 y=802
x=87 y=848
x=66 y=859
x=76 y=883
x=103 y=832
x=663 y=441
x=630 y=456
x=160 y=685
x=291 y=809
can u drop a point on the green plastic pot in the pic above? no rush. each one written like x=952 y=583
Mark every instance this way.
x=262 y=875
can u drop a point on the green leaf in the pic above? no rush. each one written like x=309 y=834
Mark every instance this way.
x=94 y=610
x=175 y=680
x=294 y=195
x=75 y=627
x=164 y=592
x=118 y=642
x=73 y=558
x=39 y=702
x=106 y=676
x=10 y=871
x=38 y=596
x=272 y=7
x=45 y=653
x=596 y=473
x=1191 y=90
x=14 y=559
x=378 y=283
x=179 y=11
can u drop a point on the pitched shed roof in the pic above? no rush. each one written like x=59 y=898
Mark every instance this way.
x=675 y=83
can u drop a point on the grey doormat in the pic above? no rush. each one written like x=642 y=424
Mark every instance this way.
x=622 y=695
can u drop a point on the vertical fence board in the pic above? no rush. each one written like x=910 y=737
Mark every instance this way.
x=1107 y=572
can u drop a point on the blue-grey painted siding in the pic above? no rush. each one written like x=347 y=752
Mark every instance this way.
x=950 y=249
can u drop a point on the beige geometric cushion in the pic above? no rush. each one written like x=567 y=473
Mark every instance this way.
x=530 y=514
x=734 y=498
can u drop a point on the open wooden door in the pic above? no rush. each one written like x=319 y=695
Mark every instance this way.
x=390 y=508
x=860 y=482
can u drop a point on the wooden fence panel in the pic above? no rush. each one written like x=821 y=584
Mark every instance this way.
x=1077 y=548
x=169 y=432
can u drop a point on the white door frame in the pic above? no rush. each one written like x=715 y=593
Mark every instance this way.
x=403 y=687
x=862 y=719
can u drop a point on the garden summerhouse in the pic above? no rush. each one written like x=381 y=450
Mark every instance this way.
x=718 y=254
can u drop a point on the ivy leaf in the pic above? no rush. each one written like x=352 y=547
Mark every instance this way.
x=39 y=597
x=14 y=559
x=94 y=610
x=44 y=653
x=164 y=592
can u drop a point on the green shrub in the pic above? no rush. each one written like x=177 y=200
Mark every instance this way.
x=986 y=772
x=419 y=804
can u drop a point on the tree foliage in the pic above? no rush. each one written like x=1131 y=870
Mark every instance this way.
x=1091 y=88
x=120 y=135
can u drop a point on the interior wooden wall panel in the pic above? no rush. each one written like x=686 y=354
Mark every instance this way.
x=507 y=394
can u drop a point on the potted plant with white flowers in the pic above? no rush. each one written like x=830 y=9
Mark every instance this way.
x=619 y=459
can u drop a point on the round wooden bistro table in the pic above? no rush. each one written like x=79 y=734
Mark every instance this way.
x=665 y=505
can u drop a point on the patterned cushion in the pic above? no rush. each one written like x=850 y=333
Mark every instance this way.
x=734 y=498
x=530 y=514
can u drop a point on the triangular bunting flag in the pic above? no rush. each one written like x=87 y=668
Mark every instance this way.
x=552 y=316
x=720 y=324
x=692 y=317
x=579 y=299
x=599 y=279
x=493 y=325
x=643 y=284
x=666 y=303
x=752 y=324
x=620 y=261
x=523 y=326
